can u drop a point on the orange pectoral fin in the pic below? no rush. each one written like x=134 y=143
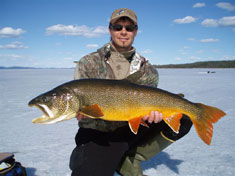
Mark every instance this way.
x=92 y=111
x=134 y=124
x=173 y=121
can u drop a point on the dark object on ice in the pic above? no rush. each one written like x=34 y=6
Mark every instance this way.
x=9 y=167
x=211 y=72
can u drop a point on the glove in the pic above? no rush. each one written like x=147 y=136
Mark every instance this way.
x=185 y=126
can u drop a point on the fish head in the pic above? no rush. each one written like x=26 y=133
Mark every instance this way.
x=57 y=105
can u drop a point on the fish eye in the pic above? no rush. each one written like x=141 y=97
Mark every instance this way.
x=45 y=99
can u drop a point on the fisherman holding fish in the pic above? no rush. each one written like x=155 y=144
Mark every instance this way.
x=113 y=94
x=104 y=147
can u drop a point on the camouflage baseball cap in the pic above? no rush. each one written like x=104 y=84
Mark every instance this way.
x=123 y=12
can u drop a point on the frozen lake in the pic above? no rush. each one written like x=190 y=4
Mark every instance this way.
x=45 y=149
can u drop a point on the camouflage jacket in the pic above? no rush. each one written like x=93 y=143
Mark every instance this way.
x=96 y=65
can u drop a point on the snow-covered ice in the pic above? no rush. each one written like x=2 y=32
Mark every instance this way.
x=45 y=149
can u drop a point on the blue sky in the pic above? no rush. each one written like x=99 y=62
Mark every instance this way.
x=54 y=33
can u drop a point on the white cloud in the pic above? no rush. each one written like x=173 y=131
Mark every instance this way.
x=184 y=50
x=13 y=45
x=228 y=57
x=225 y=21
x=185 y=20
x=147 y=51
x=226 y=6
x=195 y=58
x=72 y=30
x=7 y=32
x=198 y=5
x=209 y=40
x=209 y=23
x=191 y=39
x=10 y=56
x=179 y=58
x=68 y=58
x=92 y=45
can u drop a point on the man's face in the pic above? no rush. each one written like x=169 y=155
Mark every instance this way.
x=123 y=39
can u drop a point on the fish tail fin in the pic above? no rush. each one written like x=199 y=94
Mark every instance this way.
x=204 y=125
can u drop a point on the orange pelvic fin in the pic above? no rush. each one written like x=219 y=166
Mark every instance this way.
x=173 y=121
x=203 y=124
x=92 y=111
x=134 y=124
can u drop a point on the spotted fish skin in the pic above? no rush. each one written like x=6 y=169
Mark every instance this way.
x=121 y=100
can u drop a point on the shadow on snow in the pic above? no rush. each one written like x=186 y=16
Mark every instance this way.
x=162 y=158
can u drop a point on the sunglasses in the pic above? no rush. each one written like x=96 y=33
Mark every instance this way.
x=129 y=28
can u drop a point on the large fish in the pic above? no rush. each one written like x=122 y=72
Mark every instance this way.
x=120 y=100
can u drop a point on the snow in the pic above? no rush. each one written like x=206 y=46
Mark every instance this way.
x=45 y=149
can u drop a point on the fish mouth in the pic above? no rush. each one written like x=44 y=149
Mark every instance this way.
x=44 y=109
x=47 y=113
x=48 y=117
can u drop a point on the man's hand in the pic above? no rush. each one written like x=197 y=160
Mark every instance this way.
x=154 y=116
x=79 y=116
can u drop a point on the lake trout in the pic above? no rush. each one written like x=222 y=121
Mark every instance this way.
x=121 y=100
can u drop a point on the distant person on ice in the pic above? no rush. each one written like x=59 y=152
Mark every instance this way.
x=104 y=147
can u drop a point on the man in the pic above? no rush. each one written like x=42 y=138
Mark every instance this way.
x=104 y=146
